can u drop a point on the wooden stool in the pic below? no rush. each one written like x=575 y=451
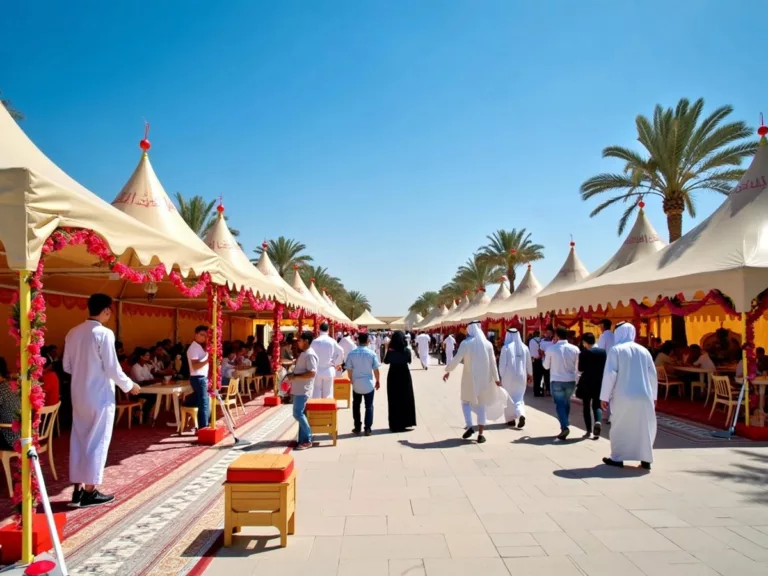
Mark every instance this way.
x=321 y=413
x=260 y=491
x=184 y=413
x=342 y=390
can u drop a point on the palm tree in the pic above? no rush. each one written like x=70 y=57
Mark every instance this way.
x=15 y=114
x=323 y=281
x=424 y=303
x=682 y=155
x=199 y=214
x=285 y=253
x=508 y=249
x=477 y=273
x=356 y=303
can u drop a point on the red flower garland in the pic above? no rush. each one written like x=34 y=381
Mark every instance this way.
x=713 y=296
x=211 y=290
x=95 y=246
x=237 y=303
x=277 y=336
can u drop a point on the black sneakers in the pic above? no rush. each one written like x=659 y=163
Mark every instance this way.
x=564 y=434
x=521 y=422
x=468 y=434
x=481 y=439
x=77 y=496
x=597 y=429
x=614 y=463
x=95 y=498
x=511 y=423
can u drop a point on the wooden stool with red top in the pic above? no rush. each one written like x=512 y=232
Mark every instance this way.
x=260 y=491
x=321 y=413
x=342 y=390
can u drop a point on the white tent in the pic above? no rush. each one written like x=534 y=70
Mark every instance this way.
x=327 y=310
x=406 y=322
x=434 y=315
x=476 y=308
x=728 y=251
x=336 y=310
x=367 y=319
x=524 y=297
x=571 y=272
x=452 y=318
x=642 y=241
x=479 y=313
x=265 y=266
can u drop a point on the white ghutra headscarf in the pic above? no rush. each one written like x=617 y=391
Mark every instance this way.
x=514 y=344
x=624 y=332
x=478 y=351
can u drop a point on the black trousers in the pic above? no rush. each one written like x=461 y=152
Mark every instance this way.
x=538 y=377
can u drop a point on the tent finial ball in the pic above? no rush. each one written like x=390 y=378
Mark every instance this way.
x=641 y=204
x=220 y=208
x=145 y=145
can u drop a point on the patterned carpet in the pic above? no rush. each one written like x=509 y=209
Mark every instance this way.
x=166 y=527
x=138 y=459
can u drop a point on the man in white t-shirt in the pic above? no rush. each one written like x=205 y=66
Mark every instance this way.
x=141 y=373
x=197 y=356
x=329 y=356
x=606 y=337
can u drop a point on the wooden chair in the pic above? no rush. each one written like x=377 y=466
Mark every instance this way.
x=665 y=381
x=725 y=395
x=232 y=397
x=126 y=405
x=48 y=416
x=184 y=413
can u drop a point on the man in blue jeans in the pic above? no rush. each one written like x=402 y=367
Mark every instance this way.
x=197 y=357
x=362 y=365
x=562 y=360
x=302 y=380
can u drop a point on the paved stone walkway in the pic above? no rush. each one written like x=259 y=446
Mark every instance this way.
x=428 y=503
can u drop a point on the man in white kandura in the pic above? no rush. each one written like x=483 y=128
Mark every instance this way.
x=347 y=344
x=630 y=386
x=606 y=340
x=329 y=356
x=422 y=342
x=516 y=371
x=450 y=345
x=481 y=390
x=90 y=357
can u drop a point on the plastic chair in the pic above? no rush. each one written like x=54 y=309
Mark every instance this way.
x=664 y=380
x=724 y=395
x=184 y=413
x=125 y=404
x=702 y=385
x=48 y=416
x=232 y=397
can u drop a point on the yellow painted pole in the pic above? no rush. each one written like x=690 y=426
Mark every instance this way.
x=745 y=368
x=25 y=303
x=215 y=350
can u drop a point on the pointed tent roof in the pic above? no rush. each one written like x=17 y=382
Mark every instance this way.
x=265 y=266
x=367 y=319
x=220 y=240
x=477 y=308
x=502 y=293
x=37 y=197
x=436 y=312
x=336 y=310
x=325 y=310
x=728 y=251
x=406 y=322
x=642 y=241
x=522 y=298
x=450 y=318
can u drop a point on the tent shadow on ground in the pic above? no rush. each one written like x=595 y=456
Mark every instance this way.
x=438 y=444
x=751 y=474
x=601 y=471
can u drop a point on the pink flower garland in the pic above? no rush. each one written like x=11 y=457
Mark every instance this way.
x=277 y=336
x=713 y=296
x=219 y=347
x=95 y=246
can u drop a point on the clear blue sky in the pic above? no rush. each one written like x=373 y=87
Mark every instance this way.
x=390 y=136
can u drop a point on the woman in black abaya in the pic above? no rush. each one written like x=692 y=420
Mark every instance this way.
x=402 y=406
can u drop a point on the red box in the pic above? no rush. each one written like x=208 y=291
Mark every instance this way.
x=211 y=436
x=321 y=404
x=10 y=537
x=252 y=469
x=272 y=401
